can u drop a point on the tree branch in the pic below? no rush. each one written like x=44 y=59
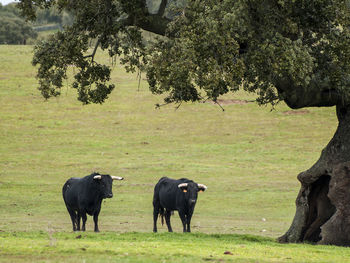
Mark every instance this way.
x=92 y=56
x=155 y=24
x=162 y=7
x=314 y=95
x=216 y=102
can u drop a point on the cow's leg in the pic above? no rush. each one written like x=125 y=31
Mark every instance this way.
x=73 y=217
x=183 y=219
x=167 y=220
x=78 y=220
x=84 y=218
x=155 y=216
x=96 y=221
x=188 y=220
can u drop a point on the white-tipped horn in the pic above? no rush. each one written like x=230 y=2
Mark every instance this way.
x=202 y=186
x=182 y=185
x=97 y=177
x=117 y=178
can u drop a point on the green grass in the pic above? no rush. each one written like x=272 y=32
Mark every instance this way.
x=165 y=247
x=248 y=156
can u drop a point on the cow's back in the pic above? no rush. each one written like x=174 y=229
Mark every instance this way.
x=166 y=190
x=71 y=191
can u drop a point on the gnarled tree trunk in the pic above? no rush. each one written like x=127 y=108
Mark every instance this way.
x=323 y=203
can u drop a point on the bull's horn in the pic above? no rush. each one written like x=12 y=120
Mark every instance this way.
x=97 y=177
x=117 y=178
x=202 y=186
x=182 y=185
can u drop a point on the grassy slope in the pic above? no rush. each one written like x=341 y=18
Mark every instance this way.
x=248 y=156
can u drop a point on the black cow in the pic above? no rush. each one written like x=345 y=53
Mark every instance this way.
x=180 y=195
x=84 y=196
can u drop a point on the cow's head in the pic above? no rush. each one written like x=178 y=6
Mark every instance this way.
x=191 y=190
x=104 y=182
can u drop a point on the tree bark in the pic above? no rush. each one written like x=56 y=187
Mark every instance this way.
x=323 y=203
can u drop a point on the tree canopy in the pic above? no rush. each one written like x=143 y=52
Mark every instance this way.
x=292 y=50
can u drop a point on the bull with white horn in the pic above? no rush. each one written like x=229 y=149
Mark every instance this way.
x=84 y=196
x=171 y=195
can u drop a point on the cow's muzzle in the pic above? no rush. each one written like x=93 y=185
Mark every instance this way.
x=109 y=195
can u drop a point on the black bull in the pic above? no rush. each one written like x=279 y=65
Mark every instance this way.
x=84 y=196
x=171 y=195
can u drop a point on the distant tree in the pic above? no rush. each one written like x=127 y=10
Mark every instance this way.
x=14 y=30
x=53 y=16
x=296 y=51
x=67 y=19
x=46 y=16
x=10 y=9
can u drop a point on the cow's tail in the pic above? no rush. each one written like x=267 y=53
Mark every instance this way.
x=161 y=214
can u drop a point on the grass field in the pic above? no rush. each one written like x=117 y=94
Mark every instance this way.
x=248 y=156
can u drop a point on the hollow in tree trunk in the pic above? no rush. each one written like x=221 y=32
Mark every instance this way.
x=323 y=203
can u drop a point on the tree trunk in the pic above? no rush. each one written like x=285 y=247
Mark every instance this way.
x=323 y=203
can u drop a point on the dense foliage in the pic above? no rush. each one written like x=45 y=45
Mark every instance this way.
x=292 y=50
x=99 y=20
